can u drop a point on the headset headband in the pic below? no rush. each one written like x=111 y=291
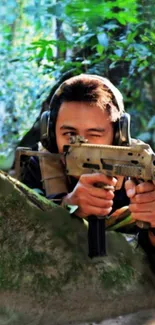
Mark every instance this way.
x=116 y=93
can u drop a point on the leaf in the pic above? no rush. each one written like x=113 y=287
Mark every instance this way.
x=121 y=19
x=41 y=53
x=71 y=208
x=103 y=39
x=11 y=18
x=6 y=161
x=84 y=38
x=151 y=124
x=111 y=26
x=145 y=136
x=100 y=49
x=131 y=36
x=49 y=53
x=67 y=31
x=112 y=65
x=56 y=9
x=118 y=52
x=153 y=139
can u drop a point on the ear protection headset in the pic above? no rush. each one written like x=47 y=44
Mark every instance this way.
x=47 y=134
x=121 y=126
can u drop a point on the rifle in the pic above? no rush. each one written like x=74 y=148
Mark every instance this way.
x=134 y=161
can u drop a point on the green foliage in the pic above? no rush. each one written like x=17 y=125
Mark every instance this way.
x=40 y=41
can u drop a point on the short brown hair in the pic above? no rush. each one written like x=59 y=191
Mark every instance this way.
x=89 y=88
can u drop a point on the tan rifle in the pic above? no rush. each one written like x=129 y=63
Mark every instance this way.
x=135 y=161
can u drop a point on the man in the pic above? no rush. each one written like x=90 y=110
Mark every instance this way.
x=90 y=106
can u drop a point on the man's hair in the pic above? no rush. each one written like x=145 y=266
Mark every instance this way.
x=92 y=89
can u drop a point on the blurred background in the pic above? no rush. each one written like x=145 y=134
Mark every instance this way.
x=43 y=41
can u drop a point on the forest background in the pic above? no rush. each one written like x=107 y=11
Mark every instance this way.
x=42 y=40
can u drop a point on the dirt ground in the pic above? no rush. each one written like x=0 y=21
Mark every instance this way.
x=146 y=317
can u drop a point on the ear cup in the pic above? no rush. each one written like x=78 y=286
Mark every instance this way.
x=122 y=131
x=124 y=122
x=47 y=135
x=116 y=133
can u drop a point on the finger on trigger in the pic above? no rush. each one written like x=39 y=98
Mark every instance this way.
x=130 y=188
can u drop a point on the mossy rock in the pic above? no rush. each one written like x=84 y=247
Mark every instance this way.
x=46 y=276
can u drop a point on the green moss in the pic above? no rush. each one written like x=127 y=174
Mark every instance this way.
x=55 y=284
x=33 y=258
x=118 y=277
x=63 y=233
x=9 y=317
x=73 y=271
x=1 y=219
x=42 y=283
x=14 y=204
x=10 y=273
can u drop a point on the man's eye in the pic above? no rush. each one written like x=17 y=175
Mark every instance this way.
x=95 y=135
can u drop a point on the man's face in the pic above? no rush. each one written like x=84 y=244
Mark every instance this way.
x=81 y=118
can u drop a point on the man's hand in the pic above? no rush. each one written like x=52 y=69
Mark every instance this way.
x=142 y=203
x=90 y=199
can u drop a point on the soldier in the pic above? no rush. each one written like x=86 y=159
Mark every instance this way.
x=91 y=106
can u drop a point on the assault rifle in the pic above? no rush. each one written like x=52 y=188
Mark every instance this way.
x=134 y=161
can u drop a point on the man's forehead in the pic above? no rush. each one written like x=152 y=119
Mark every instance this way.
x=73 y=115
x=76 y=108
x=70 y=127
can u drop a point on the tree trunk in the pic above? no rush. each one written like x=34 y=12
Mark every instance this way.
x=46 y=277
